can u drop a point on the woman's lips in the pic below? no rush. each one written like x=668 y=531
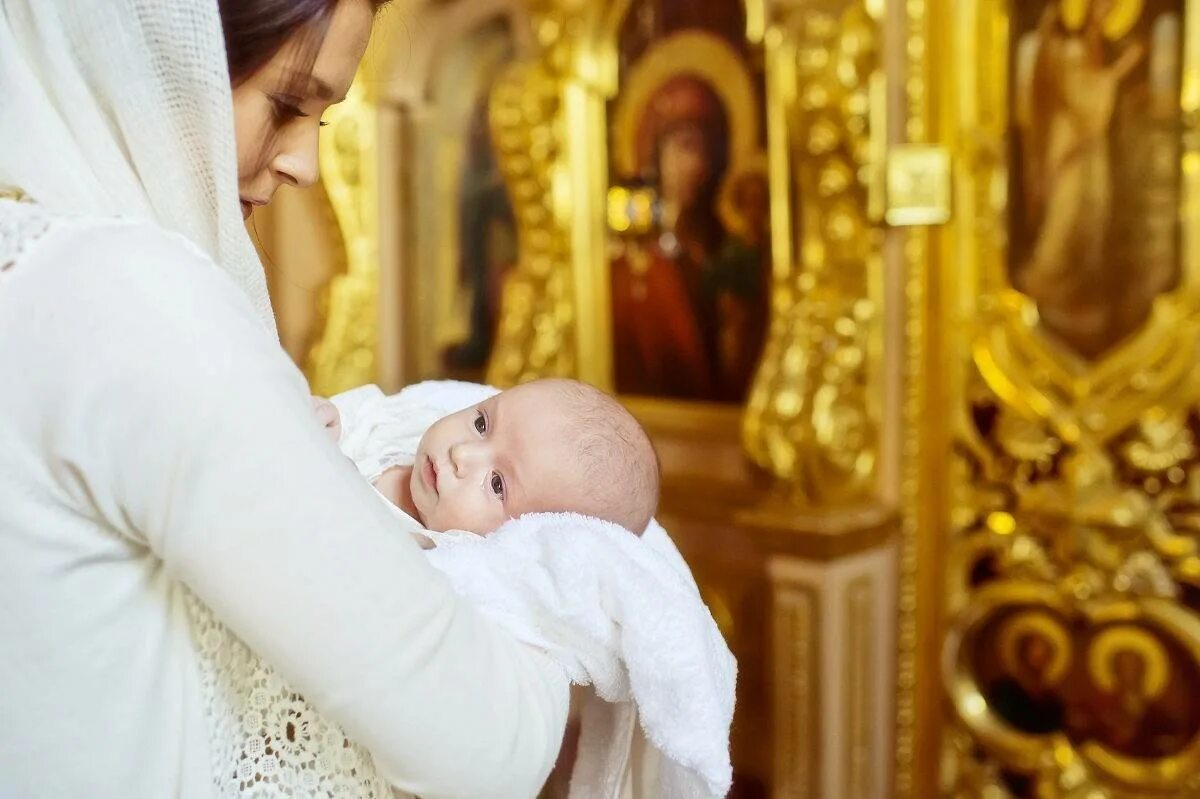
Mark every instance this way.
x=429 y=474
x=246 y=209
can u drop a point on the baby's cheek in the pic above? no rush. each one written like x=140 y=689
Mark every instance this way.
x=470 y=515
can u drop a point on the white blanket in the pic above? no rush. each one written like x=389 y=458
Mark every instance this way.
x=619 y=613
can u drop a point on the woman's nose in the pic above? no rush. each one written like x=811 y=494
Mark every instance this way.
x=296 y=162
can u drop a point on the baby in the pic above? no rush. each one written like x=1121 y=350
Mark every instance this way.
x=548 y=445
x=610 y=609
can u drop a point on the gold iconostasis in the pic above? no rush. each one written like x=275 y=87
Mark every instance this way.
x=904 y=290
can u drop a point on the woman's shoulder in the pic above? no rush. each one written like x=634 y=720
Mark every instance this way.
x=24 y=225
x=98 y=248
x=132 y=283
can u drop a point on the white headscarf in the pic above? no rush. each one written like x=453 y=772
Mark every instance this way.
x=124 y=108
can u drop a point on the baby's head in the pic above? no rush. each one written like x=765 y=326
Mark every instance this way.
x=549 y=445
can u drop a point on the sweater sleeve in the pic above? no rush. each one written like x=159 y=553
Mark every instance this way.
x=168 y=412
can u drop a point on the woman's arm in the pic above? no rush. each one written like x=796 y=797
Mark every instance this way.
x=188 y=429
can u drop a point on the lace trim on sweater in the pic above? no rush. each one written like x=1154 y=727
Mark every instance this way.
x=22 y=223
x=266 y=740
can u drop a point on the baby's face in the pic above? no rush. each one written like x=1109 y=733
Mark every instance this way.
x=509 y=455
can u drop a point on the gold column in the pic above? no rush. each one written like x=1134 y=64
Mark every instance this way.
x=345 y=356
x=819 y=417
x=920 y=25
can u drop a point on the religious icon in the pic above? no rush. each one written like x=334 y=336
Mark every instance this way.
x=1140 y=706
x=1035 y=656
x=741 y=272
x=465 y=232
x=487 y=245
x=1096 y=106
x=689 y=276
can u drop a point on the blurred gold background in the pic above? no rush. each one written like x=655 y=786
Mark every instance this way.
x=904 y=291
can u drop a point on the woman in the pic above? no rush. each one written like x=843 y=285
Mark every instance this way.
x=165 y=494
x=663 y=324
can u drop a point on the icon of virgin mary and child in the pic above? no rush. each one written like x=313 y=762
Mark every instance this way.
x=689 y=287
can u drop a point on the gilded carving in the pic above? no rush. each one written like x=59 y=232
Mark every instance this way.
x=811 y=417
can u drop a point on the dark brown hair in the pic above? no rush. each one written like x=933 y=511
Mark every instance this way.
x=255 y=30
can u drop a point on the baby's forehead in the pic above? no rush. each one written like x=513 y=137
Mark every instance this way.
x=540 y=392
x=543 y=406
x=552 y=425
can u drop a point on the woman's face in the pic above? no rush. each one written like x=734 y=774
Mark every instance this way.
x=277 y=117
x=683 y=164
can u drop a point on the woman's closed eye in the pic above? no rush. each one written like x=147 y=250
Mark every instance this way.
x=288 y=108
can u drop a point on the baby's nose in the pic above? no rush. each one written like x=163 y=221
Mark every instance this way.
x=466 y=456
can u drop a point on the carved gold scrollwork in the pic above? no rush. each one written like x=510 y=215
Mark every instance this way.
x=345 y=354
x=556 y=184
x=535 y=337
x=811 y=417
x=1080 y=496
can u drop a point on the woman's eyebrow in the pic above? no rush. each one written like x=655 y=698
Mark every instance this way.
x=315 y=87
x=322 y=90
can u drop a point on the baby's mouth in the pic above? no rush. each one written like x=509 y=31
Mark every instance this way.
x=429 y=474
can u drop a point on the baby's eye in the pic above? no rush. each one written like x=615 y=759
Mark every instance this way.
x=497 y=485
x=480 y=422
